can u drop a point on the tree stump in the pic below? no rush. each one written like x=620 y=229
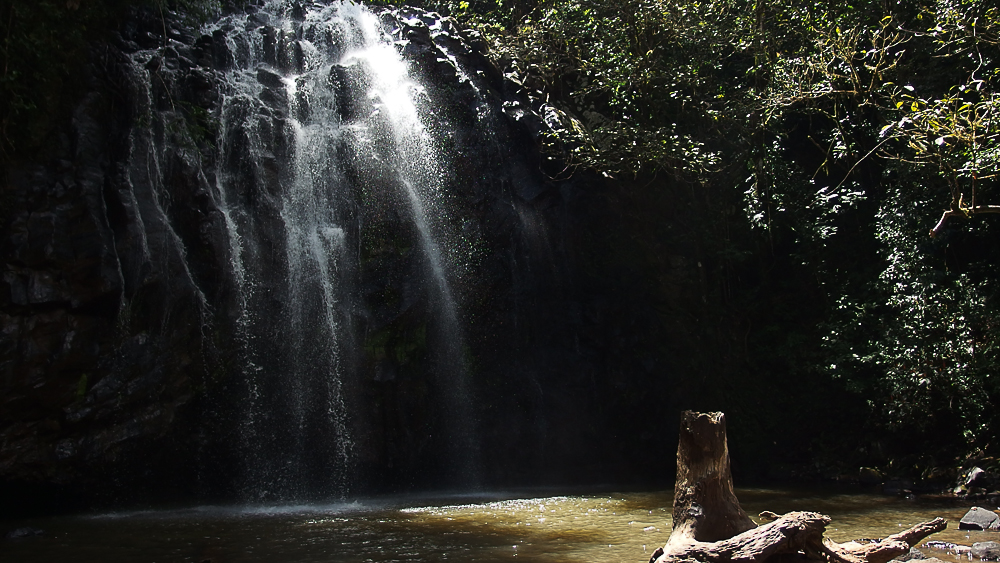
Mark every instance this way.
x=710 y=526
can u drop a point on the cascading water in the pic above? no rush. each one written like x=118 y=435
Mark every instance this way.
x=305 y=251
x=322 y=143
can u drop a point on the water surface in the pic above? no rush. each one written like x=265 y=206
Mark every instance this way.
x=508 y=527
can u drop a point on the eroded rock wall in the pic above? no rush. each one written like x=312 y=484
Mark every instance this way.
x=127 y=343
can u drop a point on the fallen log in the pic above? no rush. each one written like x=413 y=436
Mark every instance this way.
x=709 y=526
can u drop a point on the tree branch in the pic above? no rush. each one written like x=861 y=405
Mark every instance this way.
x=964 y=213
x=710 y=527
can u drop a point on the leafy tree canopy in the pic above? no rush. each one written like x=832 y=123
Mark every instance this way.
x=851 y=129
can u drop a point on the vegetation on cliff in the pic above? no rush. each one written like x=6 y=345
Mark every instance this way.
x=44 y=44
x=849 y=149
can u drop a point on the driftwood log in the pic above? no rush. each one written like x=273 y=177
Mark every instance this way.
x=710 y=526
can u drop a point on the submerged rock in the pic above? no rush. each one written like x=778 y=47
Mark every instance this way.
x=986 y=550
x=914 y=553
x=952 y=548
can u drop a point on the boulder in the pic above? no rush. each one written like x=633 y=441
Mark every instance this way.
x=897 y=487
x=270 y=79
x=937 y=478
x=986 y=550
x=979 y=519
x=977 y=477
x=870 y=476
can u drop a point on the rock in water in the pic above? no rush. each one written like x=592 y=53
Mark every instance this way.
x=979 y=519
x=914 y=553
x=955 y=549
x=897 y=487
x=986 y=550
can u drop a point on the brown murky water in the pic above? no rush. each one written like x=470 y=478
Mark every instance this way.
x=611 y=527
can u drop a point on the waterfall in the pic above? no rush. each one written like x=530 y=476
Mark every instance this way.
x=326 y=170
x=305 y=251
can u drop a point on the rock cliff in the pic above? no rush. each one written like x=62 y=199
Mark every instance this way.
x=208 y=286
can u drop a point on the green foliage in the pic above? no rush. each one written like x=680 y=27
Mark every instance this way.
x=44 y=44
x=81 y=387
x=636 y=84
x=923 y=346
x=850 y=129
x=41 y=42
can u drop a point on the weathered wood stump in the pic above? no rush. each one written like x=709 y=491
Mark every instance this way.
x=710 y=527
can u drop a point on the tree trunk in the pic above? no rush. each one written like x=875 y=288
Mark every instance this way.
x=710 y=527
x=705 y=506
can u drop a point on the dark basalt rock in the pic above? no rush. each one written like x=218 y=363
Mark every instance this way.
x=124 y=340
x=897 y=487
x=269 y=78
x=977 y=477
x=870 y=476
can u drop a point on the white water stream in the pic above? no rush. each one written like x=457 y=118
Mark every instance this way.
x=319 y=115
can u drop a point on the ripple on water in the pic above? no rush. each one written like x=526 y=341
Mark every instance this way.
x=614 y=527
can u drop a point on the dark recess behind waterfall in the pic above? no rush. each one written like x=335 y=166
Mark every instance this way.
x=603 y=308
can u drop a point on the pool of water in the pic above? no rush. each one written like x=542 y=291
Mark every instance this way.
x=508 y=527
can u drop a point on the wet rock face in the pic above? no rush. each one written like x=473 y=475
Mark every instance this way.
x=148 y=269
x=120 y=306
x=87 y=362
x=116 y=288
